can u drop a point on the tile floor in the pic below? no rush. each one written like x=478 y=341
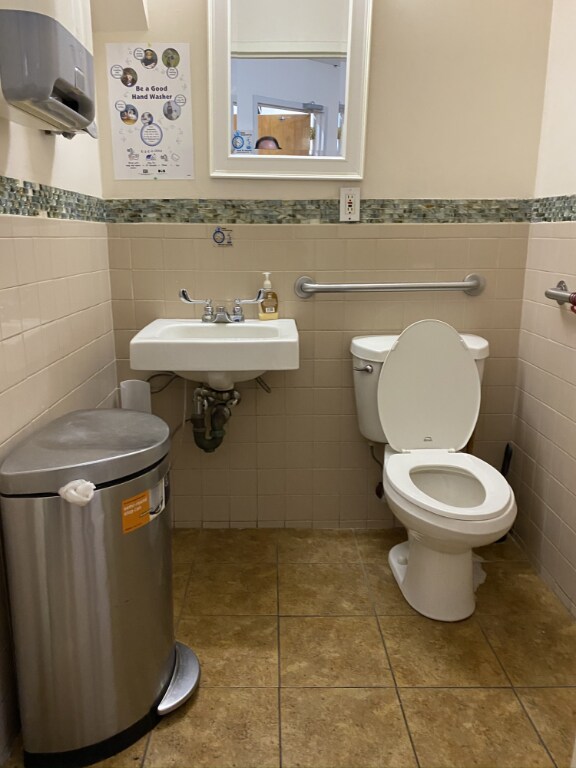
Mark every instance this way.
x=311 y=658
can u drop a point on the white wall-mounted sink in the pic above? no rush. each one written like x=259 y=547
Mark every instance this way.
x=217 y=354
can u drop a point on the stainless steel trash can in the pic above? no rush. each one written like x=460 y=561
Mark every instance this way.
x=90 y=586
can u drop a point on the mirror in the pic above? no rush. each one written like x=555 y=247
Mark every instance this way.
x=288 y=88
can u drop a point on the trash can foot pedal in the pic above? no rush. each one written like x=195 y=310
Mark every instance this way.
x=184 y=682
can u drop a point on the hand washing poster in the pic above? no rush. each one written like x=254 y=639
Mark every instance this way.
x=150 y=110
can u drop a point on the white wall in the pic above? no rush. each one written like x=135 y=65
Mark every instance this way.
x=557 y=160
x=31 y=155
x=455 y=102
x=456 y=97
x=544 y=467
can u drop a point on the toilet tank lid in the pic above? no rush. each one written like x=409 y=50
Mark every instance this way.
x=375 y=348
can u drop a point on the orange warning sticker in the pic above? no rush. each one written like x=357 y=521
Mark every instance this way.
x=135 y=512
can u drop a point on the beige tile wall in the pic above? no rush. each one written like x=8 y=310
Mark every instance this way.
x=295 y=457
x=56 y=351
x=56 y=340
x=544 y=470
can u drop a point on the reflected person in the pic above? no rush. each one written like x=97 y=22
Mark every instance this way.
x=267 y=142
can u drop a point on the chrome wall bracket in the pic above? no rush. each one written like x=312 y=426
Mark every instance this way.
x=560 y=294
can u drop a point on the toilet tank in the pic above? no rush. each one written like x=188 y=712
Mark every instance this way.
x=368 y=354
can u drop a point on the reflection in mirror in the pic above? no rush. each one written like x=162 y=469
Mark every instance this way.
x=295 y=73
x=298 y=101
x=288 y=77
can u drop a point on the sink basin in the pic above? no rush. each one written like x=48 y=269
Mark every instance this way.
x=217 y=354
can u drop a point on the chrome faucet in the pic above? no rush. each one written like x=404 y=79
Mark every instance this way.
x=221 y=315
x=208 y=313
x=238 y=312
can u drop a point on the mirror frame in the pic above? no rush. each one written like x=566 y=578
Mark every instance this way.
x=349 y=166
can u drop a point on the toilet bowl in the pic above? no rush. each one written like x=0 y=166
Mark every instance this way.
x=427 y=401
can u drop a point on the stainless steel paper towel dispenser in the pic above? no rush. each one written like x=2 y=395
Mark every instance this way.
x=46 y=65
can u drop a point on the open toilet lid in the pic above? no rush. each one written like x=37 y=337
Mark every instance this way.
x=429 y=389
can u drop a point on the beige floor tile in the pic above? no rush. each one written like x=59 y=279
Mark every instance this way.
x=234 y=650
x=16 y=759
x=180 y=574
x=184 y=545
x=534 y=650
x=324 y=652
x=227 y=545
x=484 y=728
x=514 y=588
x=219 y=728
x=386 y=596
x=375 y=545
x=507 y=550
x=322 y=589
x=553 y=712
x=127 y=758
x=343 y=728
x=432 y=653
x=217 y=589
x=317 y=546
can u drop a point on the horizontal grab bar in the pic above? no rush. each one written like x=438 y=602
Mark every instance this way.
x=304 y=287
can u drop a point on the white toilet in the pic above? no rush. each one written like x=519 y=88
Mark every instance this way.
x=419 y=392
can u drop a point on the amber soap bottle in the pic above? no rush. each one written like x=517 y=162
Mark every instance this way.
x=269 y=304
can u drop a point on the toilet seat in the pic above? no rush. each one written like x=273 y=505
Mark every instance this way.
x=428 y=413
x=400 y=466
x=428 y=389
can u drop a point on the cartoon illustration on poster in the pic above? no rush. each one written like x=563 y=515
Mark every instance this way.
x=150 y=110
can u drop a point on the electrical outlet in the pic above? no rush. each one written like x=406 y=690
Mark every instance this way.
x=349 y=203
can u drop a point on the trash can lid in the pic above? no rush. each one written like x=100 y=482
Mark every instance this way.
x=100 y=446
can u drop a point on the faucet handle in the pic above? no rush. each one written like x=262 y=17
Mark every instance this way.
x=259 y=297
x=238 y=312
x=208 y=313
x=185 y=297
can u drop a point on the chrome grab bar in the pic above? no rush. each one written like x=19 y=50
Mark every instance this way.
x=561 y=294
x=304 y=287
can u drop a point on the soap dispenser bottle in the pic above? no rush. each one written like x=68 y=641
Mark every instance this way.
x=269 y=304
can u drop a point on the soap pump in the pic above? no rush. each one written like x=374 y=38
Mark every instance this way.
x=269 y=304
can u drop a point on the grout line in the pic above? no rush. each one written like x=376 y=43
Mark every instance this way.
x=178 y=618
x=395 y=683
x=339 y=687
x=279 y=699
x=145 y=752
x=515 y=692
x=397 y=690
x=536 y=731
x=380 y=623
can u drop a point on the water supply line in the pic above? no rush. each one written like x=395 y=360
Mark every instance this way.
x=262 y=384
x=211 y=409
x=379 y=490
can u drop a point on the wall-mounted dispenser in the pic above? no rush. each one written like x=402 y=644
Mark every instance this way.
x=46 y=65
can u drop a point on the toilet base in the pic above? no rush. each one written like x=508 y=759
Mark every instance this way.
x=438 y=585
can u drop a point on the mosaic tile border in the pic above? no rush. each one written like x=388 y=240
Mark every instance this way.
x=316 y=211
x=561 y=208
x=24 y=198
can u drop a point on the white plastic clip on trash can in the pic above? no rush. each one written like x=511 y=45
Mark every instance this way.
x=90 y=584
